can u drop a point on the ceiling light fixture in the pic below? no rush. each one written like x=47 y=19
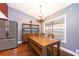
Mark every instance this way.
x=41 y=18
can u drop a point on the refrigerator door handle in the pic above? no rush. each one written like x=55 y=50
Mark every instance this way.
x=7 y=28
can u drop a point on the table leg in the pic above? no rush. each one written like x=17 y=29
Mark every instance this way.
x=58 y=48
x=44 y=51
x=51 y=50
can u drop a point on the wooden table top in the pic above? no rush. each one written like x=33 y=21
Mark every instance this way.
x=43 y=41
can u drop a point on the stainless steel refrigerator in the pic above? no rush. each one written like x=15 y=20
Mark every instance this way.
x=8 y=34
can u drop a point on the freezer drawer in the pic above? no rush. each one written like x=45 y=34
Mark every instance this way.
x=8 y=43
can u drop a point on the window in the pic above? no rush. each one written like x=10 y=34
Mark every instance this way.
x=56 y=26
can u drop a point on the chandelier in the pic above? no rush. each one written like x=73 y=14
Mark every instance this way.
x=41 y=18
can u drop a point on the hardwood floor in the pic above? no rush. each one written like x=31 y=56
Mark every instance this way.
x=21 y=50
x=24 y=50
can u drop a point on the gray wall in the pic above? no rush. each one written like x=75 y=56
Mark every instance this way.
x=72 y=25
x=20 y=18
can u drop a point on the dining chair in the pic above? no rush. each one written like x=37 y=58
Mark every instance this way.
x=50 y=48
x=42 y=34
x=51 y=36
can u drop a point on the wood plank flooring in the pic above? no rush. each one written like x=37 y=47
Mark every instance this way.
x=24 y=50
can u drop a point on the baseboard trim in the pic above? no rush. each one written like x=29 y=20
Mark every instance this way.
x=19 y=42
x=69 y=51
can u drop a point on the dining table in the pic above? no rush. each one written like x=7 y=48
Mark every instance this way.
x=41 y=44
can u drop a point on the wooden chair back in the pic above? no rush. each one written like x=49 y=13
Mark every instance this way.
x=42 y=34
x=50 y=36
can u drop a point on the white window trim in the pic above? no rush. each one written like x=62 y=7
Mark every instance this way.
x=64 y=41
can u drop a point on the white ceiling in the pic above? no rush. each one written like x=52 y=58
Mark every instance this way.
x=34 y=9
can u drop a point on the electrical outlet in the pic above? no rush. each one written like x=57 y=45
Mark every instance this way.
x=77 y=51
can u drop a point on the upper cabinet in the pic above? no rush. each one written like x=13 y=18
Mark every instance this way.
x=28 y=28
x=4 y=9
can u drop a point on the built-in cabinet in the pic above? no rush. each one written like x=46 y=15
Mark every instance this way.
x=28 y=28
